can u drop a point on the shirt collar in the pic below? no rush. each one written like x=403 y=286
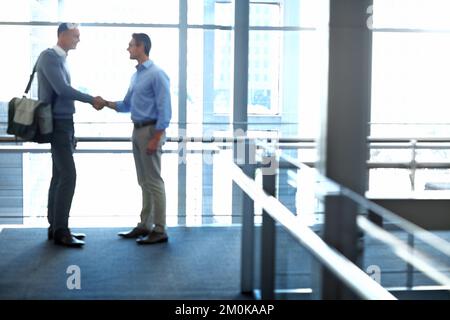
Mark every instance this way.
x=60 y=51
x=147 y=64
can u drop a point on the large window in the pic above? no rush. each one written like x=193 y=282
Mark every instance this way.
x=410 y=96
x=411 y=46
x=282 y=66
x=411 y=14
x=283 y=94
x=96 y=11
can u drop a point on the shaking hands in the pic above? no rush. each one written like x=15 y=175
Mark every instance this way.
x=99 y=103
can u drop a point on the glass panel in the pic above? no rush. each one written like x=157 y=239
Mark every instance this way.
x=28 y=10
x=94 y=70
x=408 y=130
x=310 y=13
x=399 y=181
x=410 y=72
x=284 y=80
x=383 y=265
x=222 y=188
x=287 y=13
x=282 y=64
x=440 y=154
x=194 y=193
x=265 y=59
x=266 y=13
x=210 y=70
x=211 y=12
x=293 y=266
x=111 y=198
x=111 y=77
x=131 y=11
x=416 y=14
x=118 y=196
x=16 y=65
x=390 y=155
x=433 y=179
x=310 y=87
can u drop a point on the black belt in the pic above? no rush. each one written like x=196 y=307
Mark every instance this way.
x=138 y=125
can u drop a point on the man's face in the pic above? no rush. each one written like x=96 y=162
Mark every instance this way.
x=70 y=39
x=134 y=49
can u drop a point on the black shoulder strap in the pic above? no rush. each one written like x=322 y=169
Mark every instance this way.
x=31 y=79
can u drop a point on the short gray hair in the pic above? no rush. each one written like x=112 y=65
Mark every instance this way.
x=66 y=26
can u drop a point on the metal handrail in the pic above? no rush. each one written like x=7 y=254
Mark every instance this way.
x=338 y=264
x=404 y=251
x=422 y=234
x=373 y=140
x=280 y=142
x=9 y=139
x=410 y=255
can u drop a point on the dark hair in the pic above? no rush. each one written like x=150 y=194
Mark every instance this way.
x=142 y=38
x=66 y=26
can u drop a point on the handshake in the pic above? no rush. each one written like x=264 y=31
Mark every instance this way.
x=99 y=103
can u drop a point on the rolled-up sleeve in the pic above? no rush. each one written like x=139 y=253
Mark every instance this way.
x=125 y=105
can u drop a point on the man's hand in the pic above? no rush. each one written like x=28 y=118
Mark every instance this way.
x=99 y=103
x=111 y=105
x=153 y=143
x=152 y=146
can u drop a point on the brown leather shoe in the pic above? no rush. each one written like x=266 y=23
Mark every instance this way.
x=135 y=233
x=154 y=237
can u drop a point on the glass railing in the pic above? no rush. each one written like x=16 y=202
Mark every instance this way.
x=407 y=260
x=105 y=167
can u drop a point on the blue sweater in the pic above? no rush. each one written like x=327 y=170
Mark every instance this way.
x=54 y=85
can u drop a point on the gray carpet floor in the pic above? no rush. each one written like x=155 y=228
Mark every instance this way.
x=196 y=263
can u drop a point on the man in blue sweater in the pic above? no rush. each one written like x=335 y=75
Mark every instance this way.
x=54 y=87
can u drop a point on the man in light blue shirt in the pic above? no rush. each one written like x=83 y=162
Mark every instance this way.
x=148 y=101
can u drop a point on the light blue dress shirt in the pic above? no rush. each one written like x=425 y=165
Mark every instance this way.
x=148 y=97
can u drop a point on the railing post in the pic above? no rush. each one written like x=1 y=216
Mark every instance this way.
x=410 y=267
x=413 y=165
x=268 y=238
x=248 y=225
x=340 y=232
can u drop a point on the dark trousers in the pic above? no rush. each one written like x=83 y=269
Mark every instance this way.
x=62 y=185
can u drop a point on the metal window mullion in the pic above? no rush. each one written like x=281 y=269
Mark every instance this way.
x=240 y=83
x=182 y=104
x=241 y=52
x=248 y=225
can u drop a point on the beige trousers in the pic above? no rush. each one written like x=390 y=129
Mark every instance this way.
x=148 y=169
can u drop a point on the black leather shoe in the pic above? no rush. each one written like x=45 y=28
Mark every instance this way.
x=69 y=241
x=135 y=233
x=79 y=236
x=154 y=237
